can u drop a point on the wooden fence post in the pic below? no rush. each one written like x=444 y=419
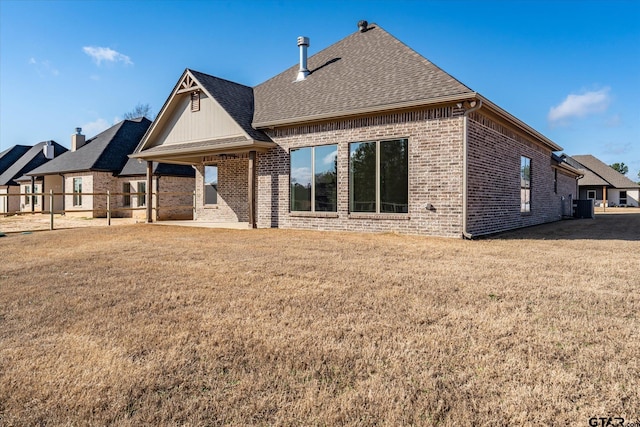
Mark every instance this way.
x=108 y=207
x=51 y=209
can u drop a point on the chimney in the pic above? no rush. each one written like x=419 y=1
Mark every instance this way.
x=363 y=26
x=77 y=139
x=303 y=42
x=48 y=150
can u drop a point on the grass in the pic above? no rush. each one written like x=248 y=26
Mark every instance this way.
x=148 y=325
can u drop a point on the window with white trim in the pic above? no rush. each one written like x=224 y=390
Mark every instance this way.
x=77 y=191
x=126 y=194
x=591 y=194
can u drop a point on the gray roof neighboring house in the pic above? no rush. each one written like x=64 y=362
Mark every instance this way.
x=369 y=70
x=11 y=155
x=106 y=152
x=598 y=173
x=30 y=160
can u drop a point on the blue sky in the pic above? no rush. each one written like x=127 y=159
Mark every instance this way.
x=570 y=69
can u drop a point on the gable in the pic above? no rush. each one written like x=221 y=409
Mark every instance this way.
x=181 y=125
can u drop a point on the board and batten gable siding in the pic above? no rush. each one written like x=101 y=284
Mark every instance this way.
x=494 y=154
x=435 y=138
x=183 y=125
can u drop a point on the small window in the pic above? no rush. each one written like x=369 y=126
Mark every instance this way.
x=195 y=101
x=36 y=199
x=27 y=190
x=591 y=194
x=525 y=184
x=77 y=191
x=379 y=176
x=126 y=194
x=313 y=179
x=623 y=198
x=210 y=185
x=142 y=194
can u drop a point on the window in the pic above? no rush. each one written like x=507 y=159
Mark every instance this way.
x=34 y=198
x=142 y=196
x=195 y=101
x=27 y=190
x=210 y=185
x=623 y=198
x=77 y=191
x=126 y=194
x=525 y=184
x=379 y=176
x=591 y=194
x=314 y=179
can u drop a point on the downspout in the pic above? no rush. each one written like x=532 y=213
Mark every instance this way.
x=465 y=166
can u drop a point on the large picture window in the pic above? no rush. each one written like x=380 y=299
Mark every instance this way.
x=210 y=185
x=313 y=175
x=525 y=184
x=379 y=176
x=77 y=191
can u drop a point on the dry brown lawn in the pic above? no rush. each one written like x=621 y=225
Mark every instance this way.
x=149 y=325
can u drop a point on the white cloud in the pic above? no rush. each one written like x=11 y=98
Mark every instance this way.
x=617 y=148
x=91 y=129
x=44 y=67
x=100 y=54
x=330 y=158
x=580 y=106
x=301 y=175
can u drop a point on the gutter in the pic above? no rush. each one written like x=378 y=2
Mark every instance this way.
x=465 y=166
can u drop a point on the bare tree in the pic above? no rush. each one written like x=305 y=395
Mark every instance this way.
x=140 y=110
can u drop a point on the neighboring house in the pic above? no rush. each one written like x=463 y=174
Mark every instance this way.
x=9 y=156
x=35 y=156
x=365 y=135
x=95 y=166
x=601 y=182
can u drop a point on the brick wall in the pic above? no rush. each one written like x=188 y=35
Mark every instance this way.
x=233 y=181
x=494 y=154
x=435 y=173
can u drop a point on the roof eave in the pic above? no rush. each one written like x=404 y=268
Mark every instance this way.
x=250 y=145
x=366 y=110
x=519 y=123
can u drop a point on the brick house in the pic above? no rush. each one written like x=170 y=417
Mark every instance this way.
x=603 y=184
x=14 y=187
x=365 y=135
x=101 y=164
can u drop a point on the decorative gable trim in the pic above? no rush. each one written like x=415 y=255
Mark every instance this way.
x=188 y=84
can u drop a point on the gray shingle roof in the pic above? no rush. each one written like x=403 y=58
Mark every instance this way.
x=30 y=160
x=599 y=173
x=236 y=99
x=364 y=70
x=11 y=155
x=108 y=151
x=135 y=167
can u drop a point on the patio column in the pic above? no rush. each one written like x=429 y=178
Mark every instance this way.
x=252 y=189
x=604 y=197
x=149 y=192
